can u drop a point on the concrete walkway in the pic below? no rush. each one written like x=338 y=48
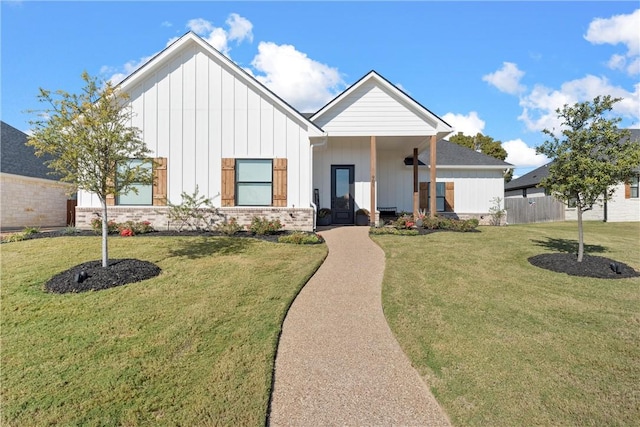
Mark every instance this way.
x=338 y=362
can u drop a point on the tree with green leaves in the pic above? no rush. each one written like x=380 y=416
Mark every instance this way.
x=484 y=144
x=590 y=156
x=91 y=142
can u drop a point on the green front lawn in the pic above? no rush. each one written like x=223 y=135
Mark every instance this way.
x=194 y=346
x=504 y=343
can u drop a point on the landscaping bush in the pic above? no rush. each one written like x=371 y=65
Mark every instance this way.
x=394 y=231
x=301 y=238
x=196 y=212
x=229 y=228
x=128 y=228
x=262 y=226
x=404 y=222
x=443 y=223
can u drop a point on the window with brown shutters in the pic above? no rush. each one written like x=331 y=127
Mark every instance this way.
x=160 y=181
x=254 y=182
x=280 y=182
x=444 y=196
x=152 y=194
x=228 y=191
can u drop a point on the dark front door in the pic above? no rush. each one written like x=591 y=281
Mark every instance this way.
x=342 y=189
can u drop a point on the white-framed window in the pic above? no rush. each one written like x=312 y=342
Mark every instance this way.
x=144 y=196
x=254 y=182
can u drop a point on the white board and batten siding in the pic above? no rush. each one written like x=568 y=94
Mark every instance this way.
x=344 y=151
x=371 y=110
x=619 y=209
x=473 y=188
x=195 y=109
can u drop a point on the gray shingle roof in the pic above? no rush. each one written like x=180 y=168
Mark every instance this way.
x=18 y=158
x=528 y=180
x=452 y=154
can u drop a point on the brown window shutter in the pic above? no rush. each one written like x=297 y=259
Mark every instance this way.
x=448 y=197
x=160 y=181
x=424 y=195
x=627 y=190
x=280 y=182
x=111 y=200
x=228 y=182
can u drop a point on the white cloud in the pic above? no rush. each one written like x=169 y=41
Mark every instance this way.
x=304 y=83
x=240 y=29
x=540 y=104
x=521 y=155
x=469 y=125
x=166 y=24
x=619 y=29
x=506 y=79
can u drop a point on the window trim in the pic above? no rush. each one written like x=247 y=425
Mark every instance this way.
x=150 y=202
x=635 y=187
x=238 y=182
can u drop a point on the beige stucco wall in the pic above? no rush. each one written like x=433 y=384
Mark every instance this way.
x=32 y=202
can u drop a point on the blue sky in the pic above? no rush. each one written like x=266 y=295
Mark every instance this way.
x=500 y=68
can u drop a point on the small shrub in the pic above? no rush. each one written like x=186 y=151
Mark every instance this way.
x=96 y=225
x=394 y=231
x=28 y=231
x=496 y=212
x=126 y=232
x=196 y=212
x=15 y=237
x=443 y=223
x=301 y=238
x=262 y=226
x=404 y=222
x=362 y=212
x=69 y=231
x=229 y=228
x=142 y=227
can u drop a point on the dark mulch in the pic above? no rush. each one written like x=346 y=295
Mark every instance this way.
x=591 y=266
x=91 y=276
x=170 y=233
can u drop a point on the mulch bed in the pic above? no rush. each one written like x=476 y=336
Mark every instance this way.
x=91 y=276
x=591 y=266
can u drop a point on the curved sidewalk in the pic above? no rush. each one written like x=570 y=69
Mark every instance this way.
x=338 y=362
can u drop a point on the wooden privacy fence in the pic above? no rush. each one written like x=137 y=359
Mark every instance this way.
x=534 y=209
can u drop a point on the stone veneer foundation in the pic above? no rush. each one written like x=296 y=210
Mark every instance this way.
x=291 y=218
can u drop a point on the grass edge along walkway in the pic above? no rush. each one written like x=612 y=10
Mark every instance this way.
x=194 y=346
x=502 y=342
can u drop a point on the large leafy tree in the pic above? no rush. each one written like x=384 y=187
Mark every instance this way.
x=484 y=144
x=91 y=141
x=590 y=156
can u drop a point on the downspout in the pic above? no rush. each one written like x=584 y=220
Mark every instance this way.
x=322 y=143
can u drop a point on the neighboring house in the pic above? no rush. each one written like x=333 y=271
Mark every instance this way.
x=623 y=206
x=30 y=196
x=209 y=123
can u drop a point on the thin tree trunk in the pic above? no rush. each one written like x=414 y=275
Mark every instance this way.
x=580 y=236
x=105 y=233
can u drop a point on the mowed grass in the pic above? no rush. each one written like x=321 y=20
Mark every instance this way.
x=503 y=343
x=193 y=346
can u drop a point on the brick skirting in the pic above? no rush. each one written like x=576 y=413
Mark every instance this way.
x=291 y=218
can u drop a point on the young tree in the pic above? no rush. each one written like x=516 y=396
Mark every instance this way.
x=591 y=157
x=92 y=142
x=484 y=144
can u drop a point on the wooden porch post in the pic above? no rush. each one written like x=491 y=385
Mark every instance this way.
x=372 y=211
x=432 y=173
x=415 y=183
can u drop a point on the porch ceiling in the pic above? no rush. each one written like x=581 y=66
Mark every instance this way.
x=398 y=144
